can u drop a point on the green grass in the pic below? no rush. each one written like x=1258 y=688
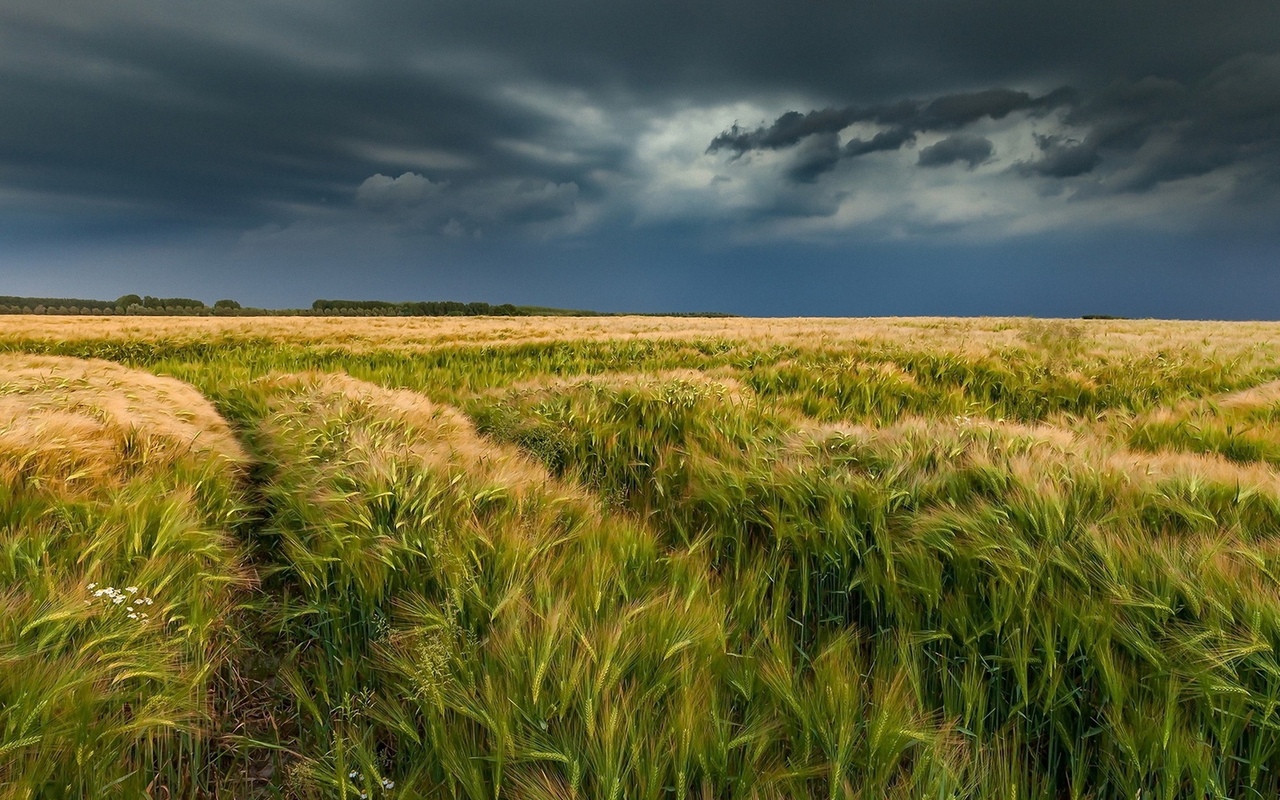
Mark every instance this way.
x=666 y=569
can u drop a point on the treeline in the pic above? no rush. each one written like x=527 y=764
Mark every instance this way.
x=126 y=304
x=146 y=305
x=451 y=308
x=442 y=308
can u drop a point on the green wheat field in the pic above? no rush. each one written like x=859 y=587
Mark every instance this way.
x=635 y=558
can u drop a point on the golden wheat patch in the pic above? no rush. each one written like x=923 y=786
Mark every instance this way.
x=1247 y=342
x=77 y=420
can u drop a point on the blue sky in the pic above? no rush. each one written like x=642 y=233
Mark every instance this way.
x=816 y=158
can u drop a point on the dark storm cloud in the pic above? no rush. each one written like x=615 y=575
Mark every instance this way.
x=192 y=128
x=956 y=110
x=891 y=139
x=416 y=201
x=904 y=120
x=234 y=114
x=973 y=150
x=818 y=155
x=1143 y=134
x=1128 y=136
x=880 y=49
x=1061 y=157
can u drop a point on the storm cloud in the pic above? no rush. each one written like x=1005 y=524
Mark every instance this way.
x=570 y=126
x=973 y=150
x=382 y=193
x=902 y=121
x=1152 y=131
x=1129 y=136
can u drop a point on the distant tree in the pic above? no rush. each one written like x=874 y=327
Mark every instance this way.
x=170 y=303
x=227 y=304
x=335 y=305
x=124 y=301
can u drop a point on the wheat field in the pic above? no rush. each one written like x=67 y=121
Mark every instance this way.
x=634 y=557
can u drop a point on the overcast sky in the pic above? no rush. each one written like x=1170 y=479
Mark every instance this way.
x=815 y=157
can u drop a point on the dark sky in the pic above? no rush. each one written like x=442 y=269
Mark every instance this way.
x=814 y=157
